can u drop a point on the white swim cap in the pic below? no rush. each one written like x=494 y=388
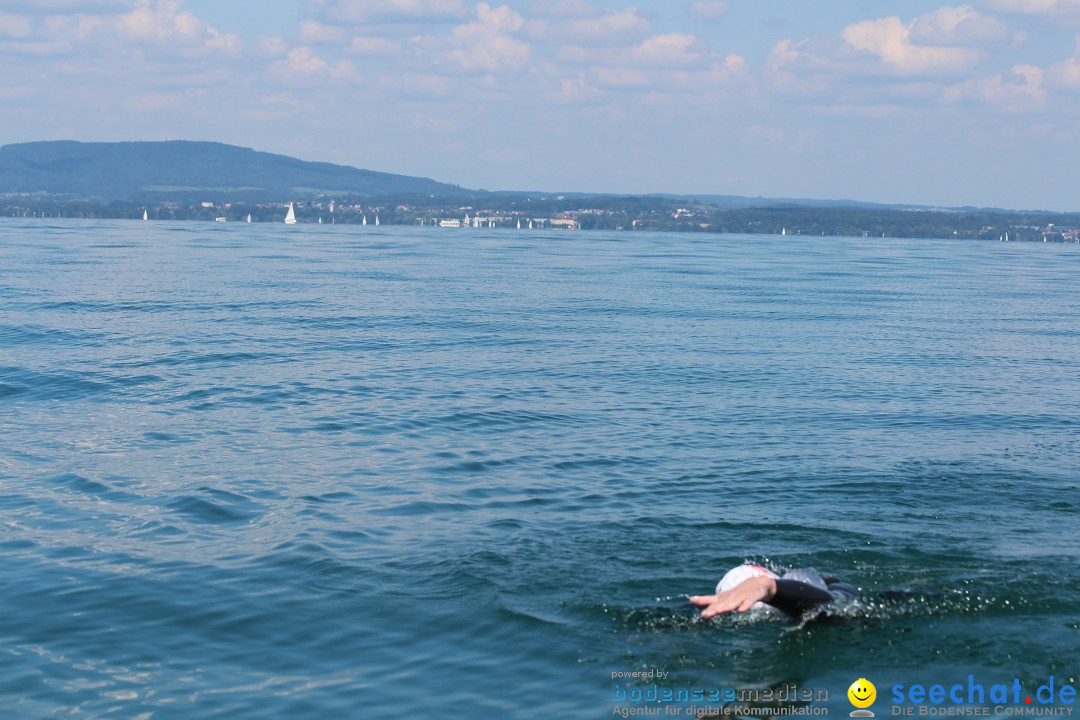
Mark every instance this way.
x=744 y=572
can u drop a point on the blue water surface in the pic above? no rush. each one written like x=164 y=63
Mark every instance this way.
x=255 y=471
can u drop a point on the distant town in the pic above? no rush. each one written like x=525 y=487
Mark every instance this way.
x=214 y=182
x=571 y=213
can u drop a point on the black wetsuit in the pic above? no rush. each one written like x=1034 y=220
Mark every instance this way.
x=800 y=591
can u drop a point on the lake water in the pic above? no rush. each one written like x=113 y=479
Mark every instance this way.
x=251 y=471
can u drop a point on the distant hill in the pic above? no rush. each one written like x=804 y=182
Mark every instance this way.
x=740 y=202
x=185 y=171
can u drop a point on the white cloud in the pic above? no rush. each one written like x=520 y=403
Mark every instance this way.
x=165 y=28
x=220 y=44
x=57 y=7
x=360 y=11
x=273 y=46
x=160 y=22
x=344 y=70
x=947 y=42
x=153 y=27
x=564 y=9
x=620 y=77
x=501 y=19
x=367 y=45
x=319 y=33
x=1024 y=93
x=890 y=40
x=488 y=44
x=300 y=61
x=52 y=36
x=670 y=50
x=806 y=68
x=661 y=64
x=424 y=85
x=961 y=26
x=1067 y=73
x=711 y=10
x=303 y=64
x=15 y=26
x=731 y=67
x=608 y=28
x=1034 y=7
x=577 y=90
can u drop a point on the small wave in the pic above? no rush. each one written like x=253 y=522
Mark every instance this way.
x=23 y=383
x=15 y=335
x=199 y=359
x=589 y=463
x=420 y=508
x=166 y=438
x=312 y=565
x=85 y=486
x=498 y=418
x=227 y=508
x=478 y=465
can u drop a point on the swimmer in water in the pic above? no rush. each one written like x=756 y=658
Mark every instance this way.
x=752 y=586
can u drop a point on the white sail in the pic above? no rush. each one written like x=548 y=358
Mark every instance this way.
x=249 y=217
x=364 y=221
x=290 y=217
x=145 y=216
x=376 y=219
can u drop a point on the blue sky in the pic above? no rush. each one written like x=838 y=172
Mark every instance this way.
x=912 y=102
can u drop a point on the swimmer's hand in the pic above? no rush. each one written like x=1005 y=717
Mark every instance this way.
x=741 y=597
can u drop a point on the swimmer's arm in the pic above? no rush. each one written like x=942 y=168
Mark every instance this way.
x=741 y=597
x=796 y=598
x=790 y=596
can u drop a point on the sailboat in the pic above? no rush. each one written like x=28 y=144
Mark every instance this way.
x=376 y=221
x=145 y=216
x=290 y=217
x=364 y=222
x=249 y=217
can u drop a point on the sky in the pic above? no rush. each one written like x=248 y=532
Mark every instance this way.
x=873 y=100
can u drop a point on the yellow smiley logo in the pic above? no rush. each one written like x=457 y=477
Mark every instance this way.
x=862 y=693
